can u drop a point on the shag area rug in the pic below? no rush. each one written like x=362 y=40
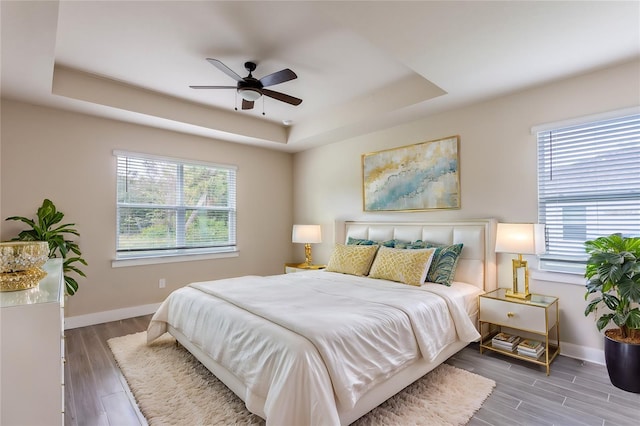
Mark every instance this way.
x=171 y=387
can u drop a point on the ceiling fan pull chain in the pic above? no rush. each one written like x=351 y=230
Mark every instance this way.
x=263 y=105
x=236 y=104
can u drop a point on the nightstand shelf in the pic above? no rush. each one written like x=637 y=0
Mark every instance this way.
x=299 y=267
x=538 y=316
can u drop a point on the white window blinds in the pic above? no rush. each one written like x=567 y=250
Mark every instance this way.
x=167 y=206
x=588 y=186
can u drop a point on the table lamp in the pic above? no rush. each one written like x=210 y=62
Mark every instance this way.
x=520 y=238
x=307 y=235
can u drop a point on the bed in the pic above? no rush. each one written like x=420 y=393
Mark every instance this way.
x=326 y=347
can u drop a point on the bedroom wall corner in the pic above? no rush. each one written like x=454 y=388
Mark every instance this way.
x=67 y=157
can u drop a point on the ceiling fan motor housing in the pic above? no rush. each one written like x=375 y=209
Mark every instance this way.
x=250 y=88
x=249 y=83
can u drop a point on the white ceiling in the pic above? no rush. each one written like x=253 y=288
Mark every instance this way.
x=361 y=66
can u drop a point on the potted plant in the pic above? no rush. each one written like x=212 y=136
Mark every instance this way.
x=613 y=273
x=47 y=228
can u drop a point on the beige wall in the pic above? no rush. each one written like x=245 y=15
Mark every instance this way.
x=67 y=157
x=498 y=168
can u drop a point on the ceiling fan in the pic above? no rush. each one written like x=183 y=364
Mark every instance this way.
x=251 y=88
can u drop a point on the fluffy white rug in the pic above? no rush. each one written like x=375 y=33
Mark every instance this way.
x=172 y=388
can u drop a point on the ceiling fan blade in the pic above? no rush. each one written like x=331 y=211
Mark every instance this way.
x=282 y=97
x=213 y=87
x=247 y=104
x=278 y=77
x=225 y=69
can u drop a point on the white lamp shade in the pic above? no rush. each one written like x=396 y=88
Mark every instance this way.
x=520 y=238
x=306 y=234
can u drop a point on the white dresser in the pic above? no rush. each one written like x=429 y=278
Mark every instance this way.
x=32 y=352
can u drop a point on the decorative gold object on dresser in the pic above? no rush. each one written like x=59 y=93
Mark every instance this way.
x=47 y=228
x=538 y=316
x=20 y=263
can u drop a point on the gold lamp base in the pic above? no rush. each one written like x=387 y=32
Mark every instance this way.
x=306 y=266
x=517 y=265
x=307 y=254
x=511 y=293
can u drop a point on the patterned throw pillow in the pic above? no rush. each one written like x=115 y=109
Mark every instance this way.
x=419 y=244
x=399 y=244
x=363 y=242
x=404 y=266
x=352 y=259
x=360 y=242
x=444 y=263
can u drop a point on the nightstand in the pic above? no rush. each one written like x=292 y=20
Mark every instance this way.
x=299 y=267
x=539 y=316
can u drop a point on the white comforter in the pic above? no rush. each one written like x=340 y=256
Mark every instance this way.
x=329 y=336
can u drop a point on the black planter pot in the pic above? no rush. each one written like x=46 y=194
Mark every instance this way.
x=623 y=364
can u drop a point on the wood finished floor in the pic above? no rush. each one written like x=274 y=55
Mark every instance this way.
x=575 y=393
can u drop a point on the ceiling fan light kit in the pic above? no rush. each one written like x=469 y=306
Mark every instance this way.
x=249 y=94
x=250 y=88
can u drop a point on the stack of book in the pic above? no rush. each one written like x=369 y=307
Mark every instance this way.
x=531 y=348
x=507 y=342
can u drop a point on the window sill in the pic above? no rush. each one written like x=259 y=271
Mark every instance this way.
x=123 y=263
x=557 y=277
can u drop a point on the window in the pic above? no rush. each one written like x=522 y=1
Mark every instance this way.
x=588 y=186
x=172 y=207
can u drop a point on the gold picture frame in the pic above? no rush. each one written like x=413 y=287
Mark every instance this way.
x=423 y=176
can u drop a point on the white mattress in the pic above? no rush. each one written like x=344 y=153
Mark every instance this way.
x=329 y=337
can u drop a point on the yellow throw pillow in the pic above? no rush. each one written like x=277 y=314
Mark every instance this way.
x=401 y=265
x=353 y=260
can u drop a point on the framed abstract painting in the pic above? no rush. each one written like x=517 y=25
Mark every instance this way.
x=424 y=176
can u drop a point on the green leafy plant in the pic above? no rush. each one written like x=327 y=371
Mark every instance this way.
x=47 y=228
x=613 y=273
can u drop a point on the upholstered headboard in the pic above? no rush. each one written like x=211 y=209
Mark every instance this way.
x=477 y=264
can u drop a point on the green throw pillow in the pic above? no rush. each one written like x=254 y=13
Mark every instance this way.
x=360 y=242
x=419 y=244
x=444 y=263
x=363 y=242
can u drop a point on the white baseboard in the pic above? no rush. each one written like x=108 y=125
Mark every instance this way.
x=582 y=352
x=108 y=316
